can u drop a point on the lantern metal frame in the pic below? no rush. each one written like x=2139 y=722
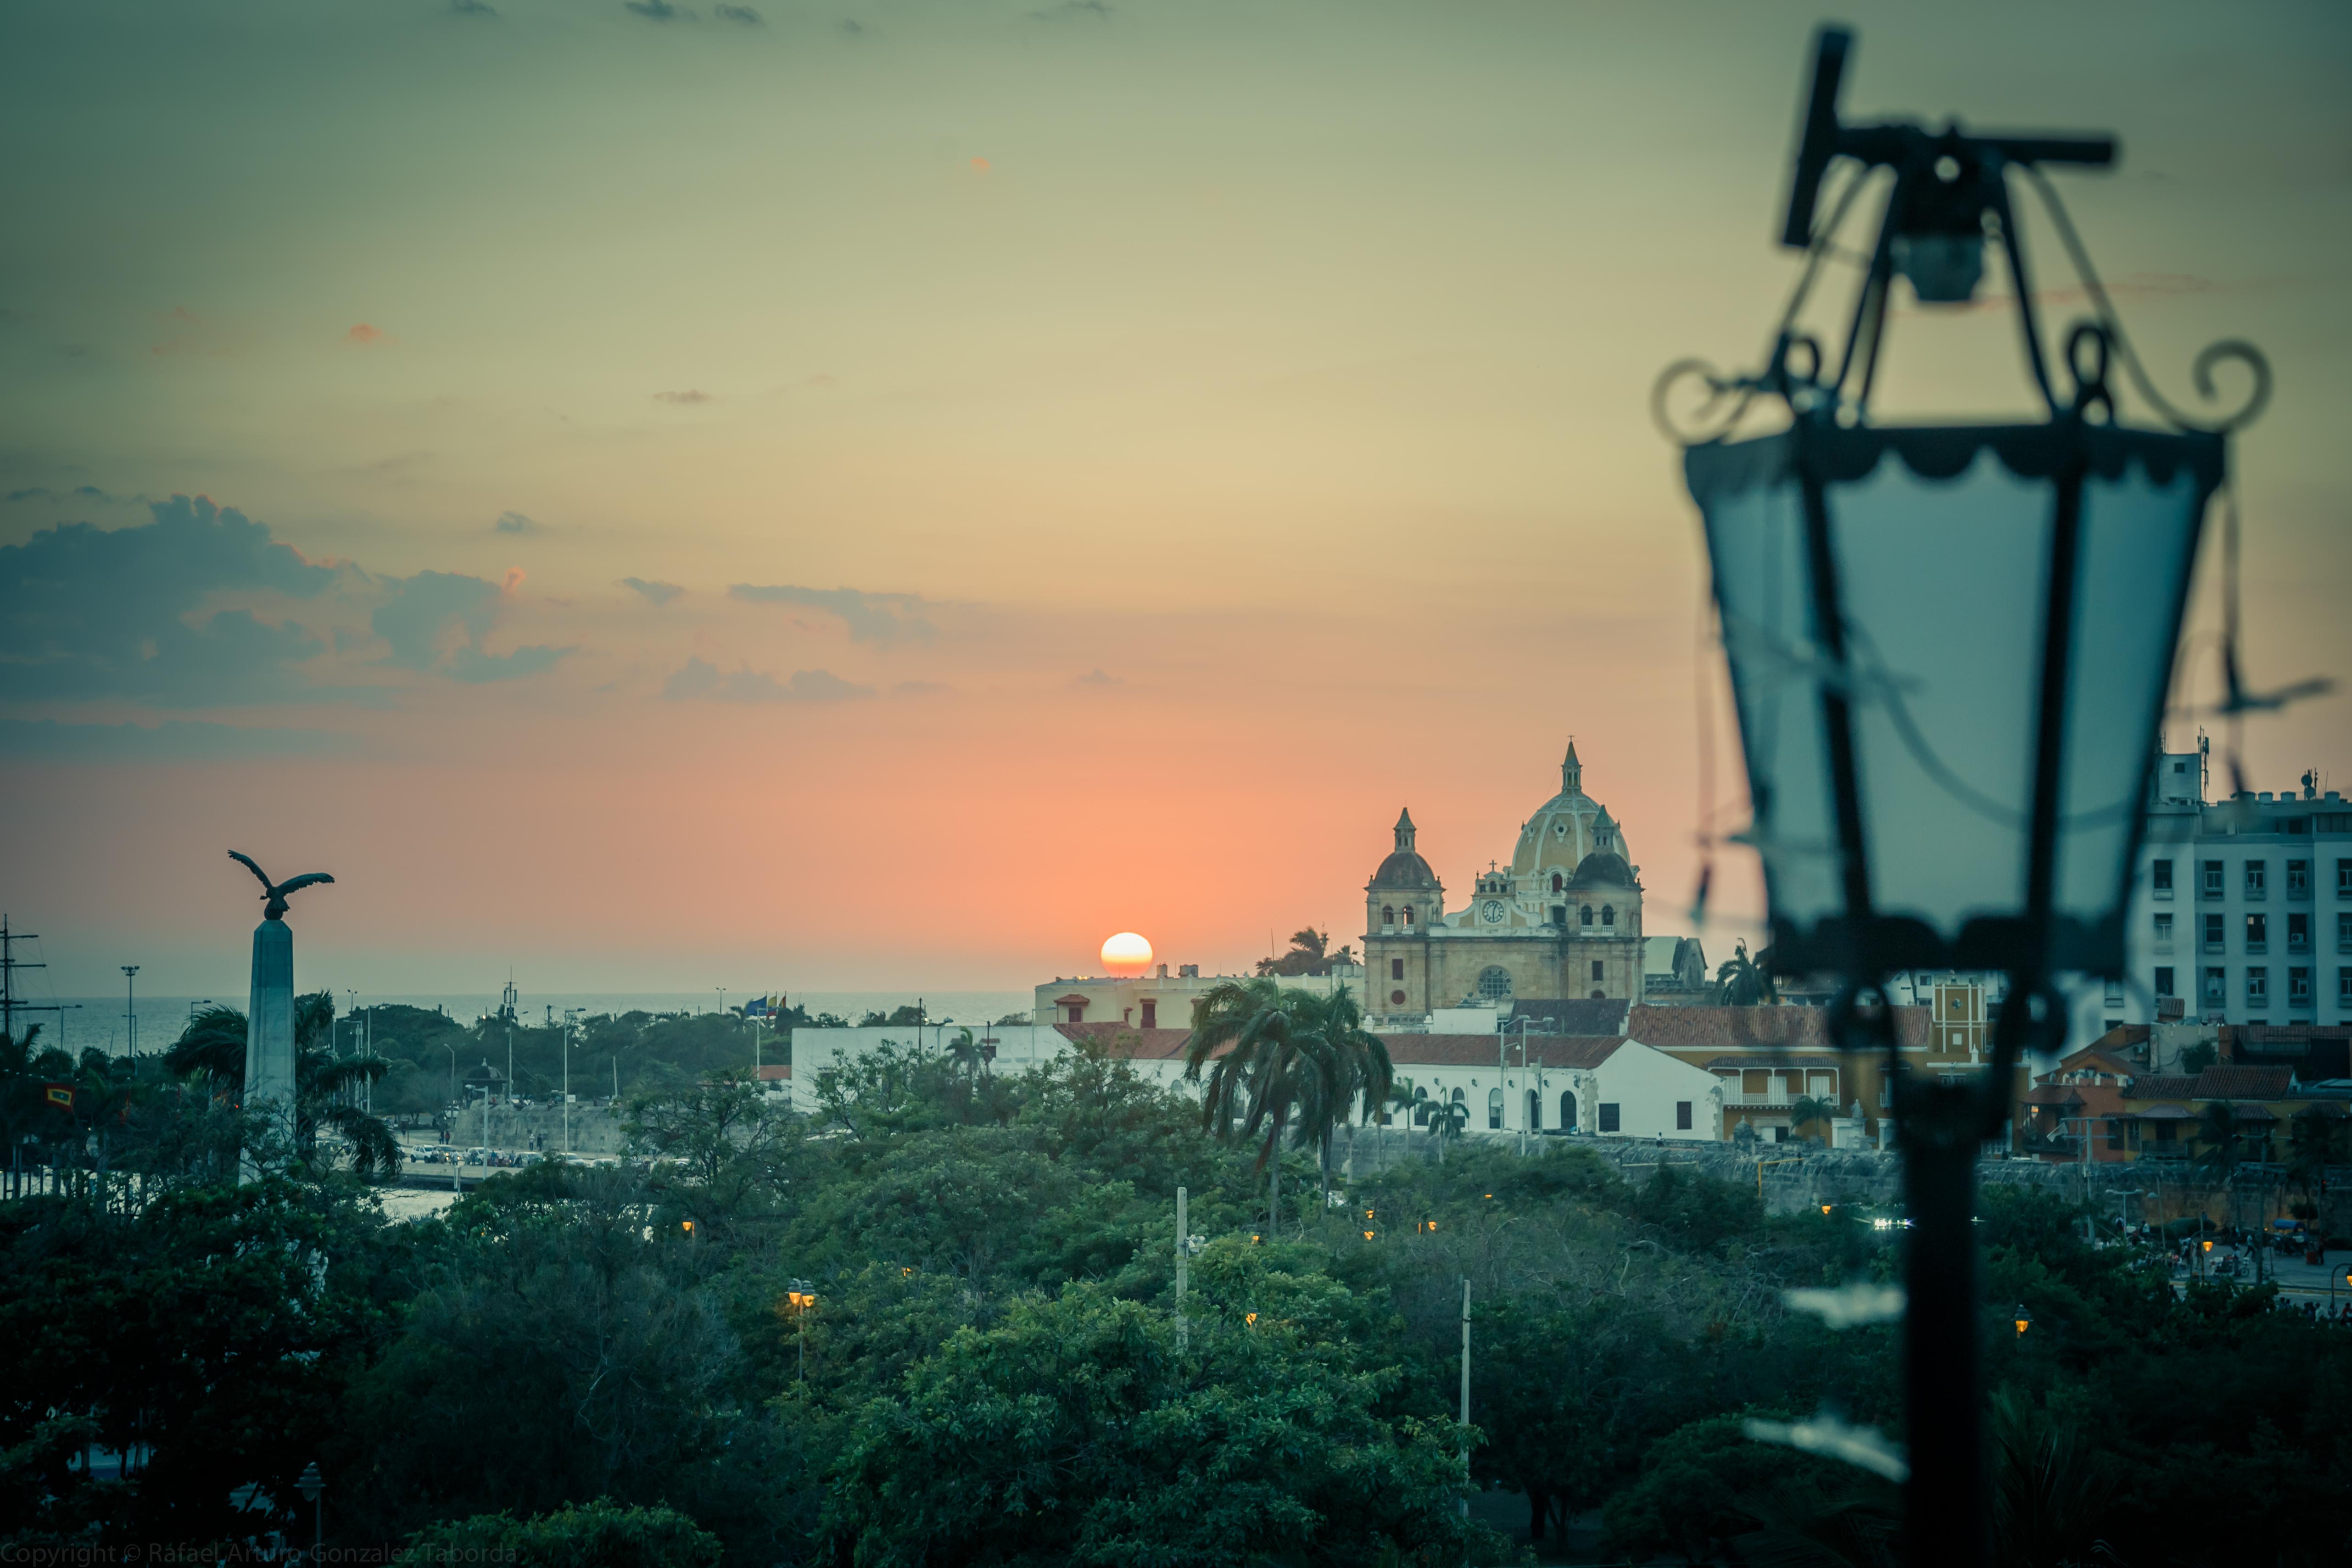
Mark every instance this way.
x=1949 y=194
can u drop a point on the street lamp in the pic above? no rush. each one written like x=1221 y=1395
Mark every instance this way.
x=802 y=1296
x=2023 y=1318
x=311 y=1484
x=1949 y=648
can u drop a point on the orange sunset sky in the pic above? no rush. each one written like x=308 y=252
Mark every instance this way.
x=882 y=496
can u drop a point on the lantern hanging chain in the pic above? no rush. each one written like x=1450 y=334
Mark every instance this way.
x=2200 y=371
x=2236 y=700
x=1776 y=376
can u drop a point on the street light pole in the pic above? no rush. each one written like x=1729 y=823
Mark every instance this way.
x=1465 y=1395
x=456 y=1182
x=130 y=1008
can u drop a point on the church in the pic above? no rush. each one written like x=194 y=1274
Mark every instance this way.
x=1564 y=921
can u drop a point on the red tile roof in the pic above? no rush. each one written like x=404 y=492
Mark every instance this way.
x=1699 y=1029
x=1404 y=1049
x=2217 y=1084
x=2245 y=1083
x=771 y=1075
x=1128 y=1041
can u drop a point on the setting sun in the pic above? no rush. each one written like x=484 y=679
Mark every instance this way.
x=1127 y=954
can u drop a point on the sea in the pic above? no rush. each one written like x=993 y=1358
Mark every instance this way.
x=81 y=1023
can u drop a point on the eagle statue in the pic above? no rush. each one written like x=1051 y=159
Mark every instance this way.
x=275 y=892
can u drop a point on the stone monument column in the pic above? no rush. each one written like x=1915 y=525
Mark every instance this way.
x=269 y=1020
x=269 y=1038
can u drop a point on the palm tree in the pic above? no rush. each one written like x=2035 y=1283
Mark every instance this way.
x=1283 y=1062
x=1807 y=1109
x=211 y=1049
x=2314 y=1142
x=1745 y=982
x=1447 y=1119
x=2219 y=1129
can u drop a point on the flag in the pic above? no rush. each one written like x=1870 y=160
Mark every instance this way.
x=757 y=1007
x=58 y=1094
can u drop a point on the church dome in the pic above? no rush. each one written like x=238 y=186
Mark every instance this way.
x=1566 y=830
x=1404 y=869
x=1602 y=869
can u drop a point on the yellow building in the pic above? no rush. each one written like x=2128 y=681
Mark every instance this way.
x=1563 y=921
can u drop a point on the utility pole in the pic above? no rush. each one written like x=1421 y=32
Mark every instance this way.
x=1465 y=1393
x=1183 y=1258
x=130 y=1008
x=9 y=964
x=510 y=1104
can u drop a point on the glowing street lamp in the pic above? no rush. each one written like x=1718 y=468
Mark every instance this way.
x=2022 y=1320
x=801 y=1297
x=1948 y=647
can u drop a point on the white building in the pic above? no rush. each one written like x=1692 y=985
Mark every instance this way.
x=1550 y=1085
x=2241 y=910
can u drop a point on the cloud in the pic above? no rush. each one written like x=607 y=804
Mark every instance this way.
x=471 y=8
x=47 y=741
x=878 y=618
x=689 y=394
x=698 y=680
x=852 y=26
x=78 y=492
x=515 y=522
x=980 y=166
x=366 y=337
x=742 y=13
x=476 y=667
x=654 y=593
x=87 y=611
x=1094 y=677
x=435 y=621
x=657 y=10
x=1095 y=8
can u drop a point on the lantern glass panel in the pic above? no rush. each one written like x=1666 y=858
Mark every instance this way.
x=1942 y=546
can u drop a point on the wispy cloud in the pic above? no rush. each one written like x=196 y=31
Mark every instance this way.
x=657 y=10
x=515 y=522
x=739 y=14
x=78 y=492
x=654 y=593
x=437 y=621
x=882 y=619
x=366 y=337
x=698 y=680
x=48 y=740
x=1094 y=677
x=472 y=8
x=690 y=395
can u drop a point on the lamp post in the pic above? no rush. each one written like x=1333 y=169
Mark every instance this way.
x=130 y=1009
x=311 y=1485
x=456 y=1182
x=803 y=1296
x=1949 y=648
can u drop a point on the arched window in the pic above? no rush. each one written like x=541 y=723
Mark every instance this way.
x=1535 y=1112
x=1495 y=1109
x=1421 y=1104
x=1494 y=982
x=1388 y=914
x=1408 y=916
x=1568 y=1111
x=1556 y=882
x=1584 y=917
x=1608 y=914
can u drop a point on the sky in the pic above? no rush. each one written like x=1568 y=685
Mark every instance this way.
x=881 y=494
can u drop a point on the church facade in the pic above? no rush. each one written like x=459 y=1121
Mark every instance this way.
x=1564 y=920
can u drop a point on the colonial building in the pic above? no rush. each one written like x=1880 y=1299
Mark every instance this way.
x=1564 y=921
